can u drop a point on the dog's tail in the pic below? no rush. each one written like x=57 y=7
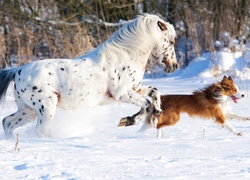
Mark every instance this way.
x=6 y=76
x=150 y=121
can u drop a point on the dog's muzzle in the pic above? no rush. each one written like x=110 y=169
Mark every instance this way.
x=237 y=97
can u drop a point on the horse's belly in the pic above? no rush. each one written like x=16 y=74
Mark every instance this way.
x=83 y=95
x=85 y=101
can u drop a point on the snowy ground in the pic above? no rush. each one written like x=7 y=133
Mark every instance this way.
x=87 y=144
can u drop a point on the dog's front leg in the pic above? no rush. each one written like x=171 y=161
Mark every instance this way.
x=231 y=128
x=236 y=116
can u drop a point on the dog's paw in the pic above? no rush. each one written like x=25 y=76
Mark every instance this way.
x=240 y=134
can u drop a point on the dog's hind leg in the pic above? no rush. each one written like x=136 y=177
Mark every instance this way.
x=151 y=92
x=159 y=133
x=148 y=121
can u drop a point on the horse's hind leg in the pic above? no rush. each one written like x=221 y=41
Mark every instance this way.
x=46 y=110
x=23 y=115
x=44 y=121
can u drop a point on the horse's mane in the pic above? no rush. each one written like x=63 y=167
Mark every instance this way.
x=136 y=36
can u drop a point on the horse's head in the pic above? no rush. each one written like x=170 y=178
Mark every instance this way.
x=164 y=52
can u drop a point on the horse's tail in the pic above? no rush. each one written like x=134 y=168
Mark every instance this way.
x=6 y=76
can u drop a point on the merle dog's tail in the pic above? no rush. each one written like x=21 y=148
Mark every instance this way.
x=6 y=76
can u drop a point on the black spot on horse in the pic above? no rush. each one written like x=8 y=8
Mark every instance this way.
x=35 y=88
x=151 y=92
x=40 y=110
x=39 y=91
x=50 y=73
x=62 y=69
x=19 y=72
x=41 y=121
x=34 y=103
x=123 y=68
x=20 y=119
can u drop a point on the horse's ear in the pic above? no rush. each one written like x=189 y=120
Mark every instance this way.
x=162 y=26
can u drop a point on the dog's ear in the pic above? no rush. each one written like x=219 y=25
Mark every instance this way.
x=230 y=79
x=162 y=26
x=224 y=80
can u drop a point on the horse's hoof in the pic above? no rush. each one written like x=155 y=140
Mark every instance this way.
x=127 y=121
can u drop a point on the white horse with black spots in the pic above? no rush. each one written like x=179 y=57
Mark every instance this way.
x=113 y=70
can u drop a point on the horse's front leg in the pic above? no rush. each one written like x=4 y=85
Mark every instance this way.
x=143 y=93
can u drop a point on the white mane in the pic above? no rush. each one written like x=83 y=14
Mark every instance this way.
x=136 y=37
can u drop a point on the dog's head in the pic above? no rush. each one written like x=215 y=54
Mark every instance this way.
x=227 y=88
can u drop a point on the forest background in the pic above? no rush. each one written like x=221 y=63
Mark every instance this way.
x=38 y=29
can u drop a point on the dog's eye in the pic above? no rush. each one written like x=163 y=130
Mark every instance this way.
x=227 y=88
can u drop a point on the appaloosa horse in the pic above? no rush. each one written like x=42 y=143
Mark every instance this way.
x=114 y=70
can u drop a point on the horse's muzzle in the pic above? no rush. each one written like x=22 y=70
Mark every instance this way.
x=169 y=68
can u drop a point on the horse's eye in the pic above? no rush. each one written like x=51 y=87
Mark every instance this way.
x=171 y=42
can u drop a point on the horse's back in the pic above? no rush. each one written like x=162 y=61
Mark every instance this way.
x=77 y=83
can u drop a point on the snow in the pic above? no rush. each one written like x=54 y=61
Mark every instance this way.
x=87 y=144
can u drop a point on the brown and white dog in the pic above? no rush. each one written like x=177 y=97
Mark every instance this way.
x=209 y=103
